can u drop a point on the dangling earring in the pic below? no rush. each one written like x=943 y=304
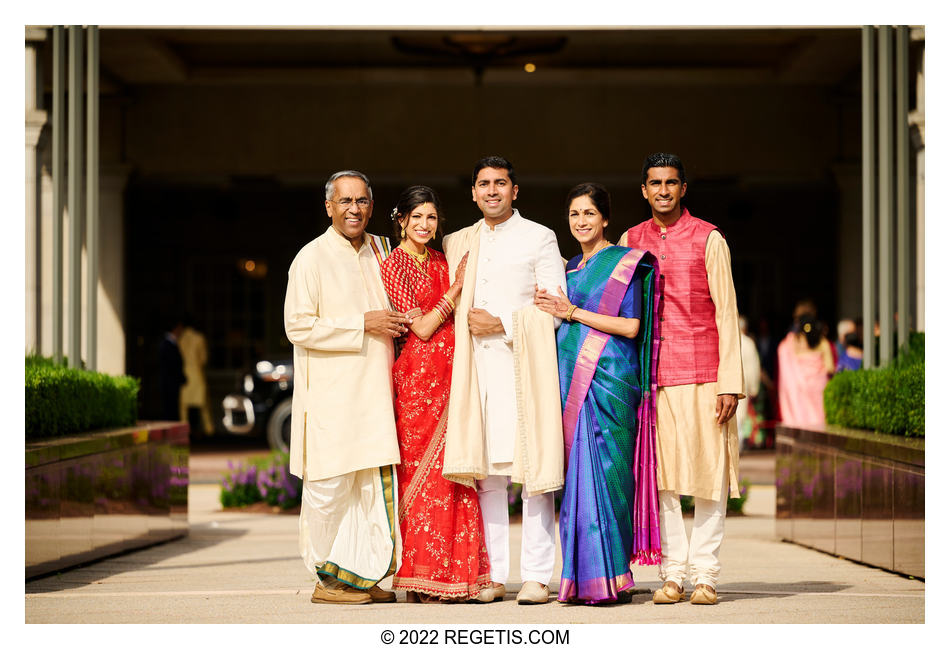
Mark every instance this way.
x=402 y=232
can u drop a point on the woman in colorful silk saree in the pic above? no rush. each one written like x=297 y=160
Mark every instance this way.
x=606 y=358
x=443 y=546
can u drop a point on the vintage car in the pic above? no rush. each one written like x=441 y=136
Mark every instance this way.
x=263 y=406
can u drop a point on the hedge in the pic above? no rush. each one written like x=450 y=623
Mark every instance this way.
x=887 y=399
x=63 y=401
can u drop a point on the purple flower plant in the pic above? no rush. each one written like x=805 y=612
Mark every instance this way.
x=267 y=481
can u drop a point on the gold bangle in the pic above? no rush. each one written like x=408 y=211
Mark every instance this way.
x=443 y=307
x=449 y=300
x=570 y=313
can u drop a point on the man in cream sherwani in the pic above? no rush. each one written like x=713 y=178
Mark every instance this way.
x=505 y=406
x=343 y=432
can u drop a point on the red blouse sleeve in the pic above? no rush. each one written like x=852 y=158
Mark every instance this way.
x=398 y=284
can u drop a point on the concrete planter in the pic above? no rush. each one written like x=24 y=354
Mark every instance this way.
x=93 y=495
x=852 y=493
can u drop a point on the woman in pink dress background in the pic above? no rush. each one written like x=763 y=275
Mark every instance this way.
x=805 y=363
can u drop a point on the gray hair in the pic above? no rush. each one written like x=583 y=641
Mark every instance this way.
x=845 y=327
x=349 y=173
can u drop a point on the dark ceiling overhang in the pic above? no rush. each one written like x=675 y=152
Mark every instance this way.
x=177 y=55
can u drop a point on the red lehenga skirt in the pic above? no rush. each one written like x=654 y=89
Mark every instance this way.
x=443 y=546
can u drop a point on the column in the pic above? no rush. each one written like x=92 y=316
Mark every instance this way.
x=74 y=194
x=57 y=174
x=92 y=199
x=902 y=145
x=869 y=203
x=885 y=205
x=35 y=121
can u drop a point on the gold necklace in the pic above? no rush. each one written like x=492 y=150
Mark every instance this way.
x=419 y=257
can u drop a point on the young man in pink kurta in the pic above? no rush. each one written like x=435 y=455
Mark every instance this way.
x=699 y=380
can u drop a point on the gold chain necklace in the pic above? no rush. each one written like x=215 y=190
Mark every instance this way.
x=419 y=258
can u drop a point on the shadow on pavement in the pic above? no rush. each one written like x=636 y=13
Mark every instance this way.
x=200 y=537
x=762 y=590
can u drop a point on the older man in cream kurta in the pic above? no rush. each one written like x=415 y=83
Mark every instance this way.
x=699 y=378
x=343 y=432
x=504 y=408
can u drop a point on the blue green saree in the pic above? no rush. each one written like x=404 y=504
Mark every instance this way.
x=609 y=513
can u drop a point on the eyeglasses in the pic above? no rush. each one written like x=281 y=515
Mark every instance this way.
x=361 y=203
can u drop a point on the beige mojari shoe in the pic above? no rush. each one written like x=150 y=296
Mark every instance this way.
x=490 y=594
x=533 y=592
x=703 y=594
x=670 y=593
x=339 y=593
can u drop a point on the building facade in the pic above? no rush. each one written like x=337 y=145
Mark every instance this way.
x=204 y=165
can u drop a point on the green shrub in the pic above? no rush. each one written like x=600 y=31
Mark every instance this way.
x=887 y=399
x=64 y=401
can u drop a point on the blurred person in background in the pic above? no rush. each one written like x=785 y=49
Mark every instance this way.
x=804 y=366
x=751 y=376
x=845 y=326
x=804 y=307
x=194 y=393
x=170 y=373
x=852 y=356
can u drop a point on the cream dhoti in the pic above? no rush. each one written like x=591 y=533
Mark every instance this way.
x=348 y=526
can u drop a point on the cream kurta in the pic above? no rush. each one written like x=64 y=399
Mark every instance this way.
x=512 y=258
x=342 y=417
x=507 y=381
x=693 y=451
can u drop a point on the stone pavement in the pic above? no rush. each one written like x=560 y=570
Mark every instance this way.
x=244 y=568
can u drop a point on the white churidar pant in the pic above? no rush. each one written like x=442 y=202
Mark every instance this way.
x=699 y=554
x=537 y=531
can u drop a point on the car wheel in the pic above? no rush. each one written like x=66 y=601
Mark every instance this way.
x=278 y=427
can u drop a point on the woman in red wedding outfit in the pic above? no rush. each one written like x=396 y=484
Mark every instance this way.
x=443 y=547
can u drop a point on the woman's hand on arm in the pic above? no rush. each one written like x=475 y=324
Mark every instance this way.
x=456 y=289
x=556 y=305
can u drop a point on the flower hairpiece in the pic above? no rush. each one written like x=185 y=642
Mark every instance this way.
x=393 y=214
